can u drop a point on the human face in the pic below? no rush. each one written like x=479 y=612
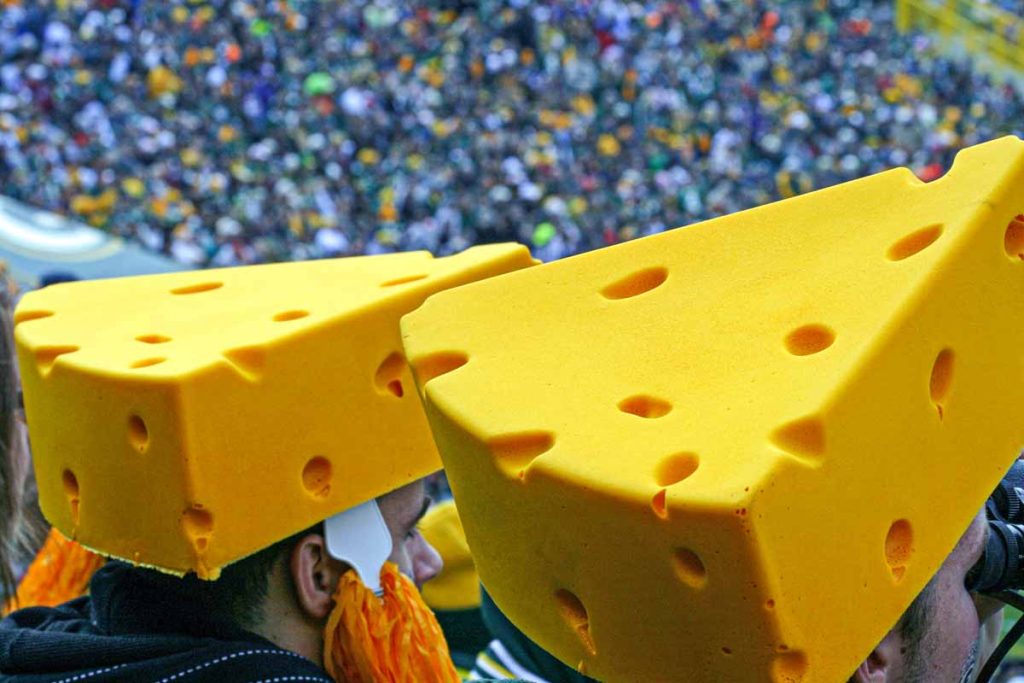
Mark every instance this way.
x=402 y=510
x=950 y=649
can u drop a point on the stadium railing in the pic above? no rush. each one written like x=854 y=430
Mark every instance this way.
x=980 y=28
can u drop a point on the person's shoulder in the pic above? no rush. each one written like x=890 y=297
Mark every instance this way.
x=69 y=657
x=243 y=663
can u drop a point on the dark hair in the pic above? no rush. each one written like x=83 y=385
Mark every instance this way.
x=238 y=595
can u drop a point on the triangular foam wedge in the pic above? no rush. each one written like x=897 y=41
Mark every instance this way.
x=185 y=421
x=737 y=451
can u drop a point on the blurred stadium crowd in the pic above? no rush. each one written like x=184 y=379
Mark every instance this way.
x=998 y=13
x=228 y=132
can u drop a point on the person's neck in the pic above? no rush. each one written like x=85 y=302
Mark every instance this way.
x=286 y=626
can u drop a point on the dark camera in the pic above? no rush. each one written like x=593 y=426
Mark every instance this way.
x=1001 y=566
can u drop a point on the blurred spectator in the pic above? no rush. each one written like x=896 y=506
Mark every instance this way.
x=228 y=132
x=13 y=467
x=55 y=277
x=21 y=524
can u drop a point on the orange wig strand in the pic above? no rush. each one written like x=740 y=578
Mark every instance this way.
x=60 y=572
x=390 y=639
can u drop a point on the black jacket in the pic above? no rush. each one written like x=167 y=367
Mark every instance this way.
x=127 y=631
x=527 y=654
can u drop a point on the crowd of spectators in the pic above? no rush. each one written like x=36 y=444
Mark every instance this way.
x=997 y=18
x=224 y=132
x=1014 y=7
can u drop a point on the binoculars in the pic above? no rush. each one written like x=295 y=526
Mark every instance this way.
x=1001 y=566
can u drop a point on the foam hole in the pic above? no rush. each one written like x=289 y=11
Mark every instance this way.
x=197 y=524
x=152 y=339
x=46 y=356
x=635 y=284
x=575 y=615
x=689 y=568
x=26 y=316
x=644 y=406
x=658 y=504
x=437 y=364
x=514 y=453
x=789 y=667
x=809 y=339
x=197 y=288
x=248 y=361
x=804 y=438
x=899 y=547
x=676 y=468
x=1013 y=240
x=941 y=380
x=71 y=491
x=147 y=362
x=388 y=376
x=138 y=433
x=287 y=316
x=316 y=477
x=914 y=243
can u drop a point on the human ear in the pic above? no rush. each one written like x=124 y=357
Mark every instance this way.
x=314 y=576
x=878 y=666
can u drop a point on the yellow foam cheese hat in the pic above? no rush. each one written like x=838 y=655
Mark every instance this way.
x=184 y=421
x=737 y=451
x=457 y=586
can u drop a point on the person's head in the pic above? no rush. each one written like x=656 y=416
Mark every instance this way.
x=939 y=636
x=285 y=592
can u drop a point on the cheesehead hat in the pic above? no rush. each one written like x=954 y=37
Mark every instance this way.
x=737 y=451
x=457 y=586
x=184 y=421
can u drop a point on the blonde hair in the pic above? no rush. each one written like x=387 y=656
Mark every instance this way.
x=22 y=527
x=12 y=477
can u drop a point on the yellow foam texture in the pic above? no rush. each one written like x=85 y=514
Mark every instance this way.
x=185 y=421
x=737 y=451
